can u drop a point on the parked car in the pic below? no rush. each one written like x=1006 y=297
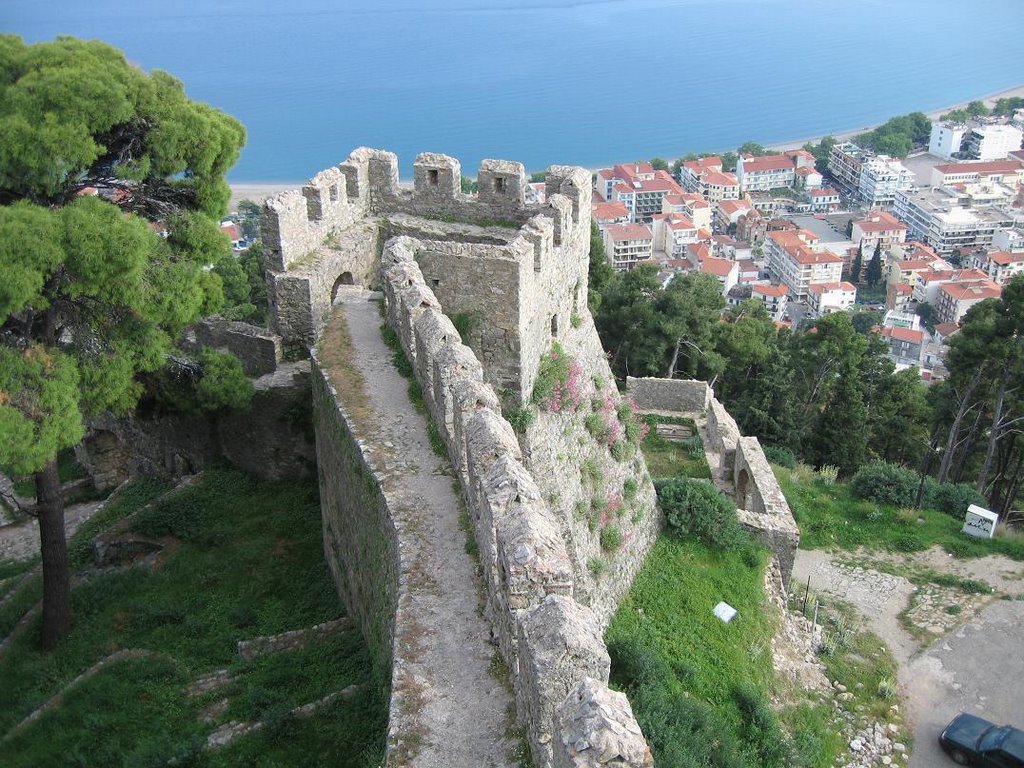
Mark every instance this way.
x=972 y=740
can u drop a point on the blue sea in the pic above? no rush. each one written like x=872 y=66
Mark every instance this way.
x=583 y=82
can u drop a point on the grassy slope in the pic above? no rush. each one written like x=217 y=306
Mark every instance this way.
x=245 y=560
x=830 y=517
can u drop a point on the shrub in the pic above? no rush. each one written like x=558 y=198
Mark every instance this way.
x=629 y=488
x=777 y=454
x=597 y=565
x=520 y=419
x=611 y=538
x=761 y=726
x=696 y=508
x=559 y=382
x=828 y=473
x=886 y=484
x=909 y=542
x=954 y=498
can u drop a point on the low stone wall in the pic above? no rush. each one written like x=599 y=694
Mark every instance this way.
x=550 y=642
x=258 y=349
x=763 y=507
x=669 y=395
x=272 y=439
x=360 y=534
x=723 y=434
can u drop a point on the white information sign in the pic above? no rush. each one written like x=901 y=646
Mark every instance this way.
x=724 y=611
x=980 y=522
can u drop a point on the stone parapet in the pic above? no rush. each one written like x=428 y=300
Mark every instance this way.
x=550 y=642
x=669 y=395
x=763 y=507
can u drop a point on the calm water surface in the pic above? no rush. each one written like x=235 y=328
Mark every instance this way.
x=555 y=81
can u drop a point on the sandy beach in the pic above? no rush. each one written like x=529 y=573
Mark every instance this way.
x=989 y=101
x=258 y=191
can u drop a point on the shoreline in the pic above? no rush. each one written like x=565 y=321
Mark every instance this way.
x=260 y=190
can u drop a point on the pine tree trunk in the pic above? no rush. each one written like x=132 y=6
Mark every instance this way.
x=671 y=372
x=954 y=429
x=965 y=453
x=54 y=549
x=995 y=433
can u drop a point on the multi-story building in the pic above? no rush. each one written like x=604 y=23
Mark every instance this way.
x=774 y=297
x=992 y=142
x=797 y=259
x=905 y=345
x=954 y=299
x=950 y=219
x=706 y=177
x=823 y=200
x=825 y=298
x=881 y=177
x=626 y=245
x=673 y=232
x=878 y=227
x=1000 y=266
x=927 y=284
x=692 y=205
x=764 y=173
x=640 y=187
x=725 y=270
x=1009 y=173
x=728 y=212
x=946 y=138
x=844 y=163
x=604 y=214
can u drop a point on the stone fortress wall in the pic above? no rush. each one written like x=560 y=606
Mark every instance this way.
x=520 y=273
x=738 y=464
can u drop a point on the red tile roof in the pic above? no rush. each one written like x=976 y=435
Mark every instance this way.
x=973 y=291
x=621 y=232
x=1005 y=258
x=767 y=163
x=982 y=168
x=904 y=334
x=778 y=291
x=608 y=211
x=880 y=221
x=720 y=179
x=716 y=266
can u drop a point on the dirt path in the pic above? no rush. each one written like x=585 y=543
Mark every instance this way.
x=977 y=666
x=21 y=540
x=464 y=708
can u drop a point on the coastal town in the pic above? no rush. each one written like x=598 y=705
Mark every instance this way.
x=919 y=239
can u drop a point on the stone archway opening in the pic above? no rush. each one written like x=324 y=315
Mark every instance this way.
x=742 y=488
x=345 y=278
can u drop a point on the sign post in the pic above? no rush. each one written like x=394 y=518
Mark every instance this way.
x=980 y=522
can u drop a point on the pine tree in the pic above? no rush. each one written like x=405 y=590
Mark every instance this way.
x=874 y=274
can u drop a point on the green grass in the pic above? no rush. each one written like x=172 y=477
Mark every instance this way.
x=684 y=669
x=666 y=458
x=244 y=559
x=831 y=518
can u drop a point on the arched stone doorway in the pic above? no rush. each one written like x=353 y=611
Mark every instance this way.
x=345 y=278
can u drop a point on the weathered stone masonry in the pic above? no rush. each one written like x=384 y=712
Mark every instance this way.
x=738 y=464
x=520 y=272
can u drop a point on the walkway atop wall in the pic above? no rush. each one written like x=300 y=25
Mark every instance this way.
x=453 y=709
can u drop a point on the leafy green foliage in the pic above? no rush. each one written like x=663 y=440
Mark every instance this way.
x=696 y=508
x=780 y=455
x=886 y=484
x=898 y=135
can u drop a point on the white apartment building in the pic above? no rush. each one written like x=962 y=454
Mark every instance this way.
x=1009 y=173
x=946 y=138
x=844 y=163
x=774 y=297
x=628 y=244
x=992 y=142
x=881 y=177
x=1000 y=266
x=797 y=260
x=950 y=218
x=825 y=298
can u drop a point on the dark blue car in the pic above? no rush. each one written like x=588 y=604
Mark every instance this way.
x=971 y=740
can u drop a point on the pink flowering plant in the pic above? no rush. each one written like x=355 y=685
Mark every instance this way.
x=615 y=425
x=559 y=385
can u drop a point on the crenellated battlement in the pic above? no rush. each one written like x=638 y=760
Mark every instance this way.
x=522 y=266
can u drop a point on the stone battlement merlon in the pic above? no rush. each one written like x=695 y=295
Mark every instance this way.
x=367 y=185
